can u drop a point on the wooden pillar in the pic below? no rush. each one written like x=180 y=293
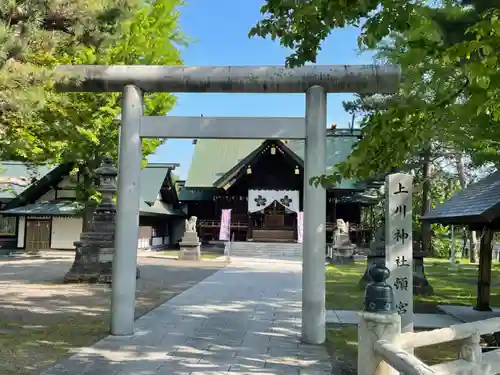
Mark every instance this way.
x=295 y=229
x=250 y=226
x=484 y=271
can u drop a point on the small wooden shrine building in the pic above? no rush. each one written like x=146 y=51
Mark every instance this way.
x=261 y=181
x=477 y=207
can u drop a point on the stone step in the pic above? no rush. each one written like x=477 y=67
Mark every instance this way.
x=266 y=250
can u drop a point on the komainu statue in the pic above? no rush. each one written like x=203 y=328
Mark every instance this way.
x=342 y=249
x=191 y=224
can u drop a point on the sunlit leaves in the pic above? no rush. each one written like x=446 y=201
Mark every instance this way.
x=43 y=125
x=449 y=56
x=303 y=25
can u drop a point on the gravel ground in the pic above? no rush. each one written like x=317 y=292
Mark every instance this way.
x=42 y=319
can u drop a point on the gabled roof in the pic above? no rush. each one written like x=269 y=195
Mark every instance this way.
x=152 y=180
x=479 y=203
x=52 y=208
x=156 y=184
x=41 y=186
x=240 y=168
x=21 y=175
x=159 y=209
x=214 y=158
x=338 y=148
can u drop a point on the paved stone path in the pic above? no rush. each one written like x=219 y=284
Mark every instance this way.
x=243 y=319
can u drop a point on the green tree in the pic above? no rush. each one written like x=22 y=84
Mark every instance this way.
x=32 y=36
x=80 y=127
x=448 y=98
x=448 y=95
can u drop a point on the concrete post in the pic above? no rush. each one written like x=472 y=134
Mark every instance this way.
x=314 y=237
x=372 y=328
x=127 y=217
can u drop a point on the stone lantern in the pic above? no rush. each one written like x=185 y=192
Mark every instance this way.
x=95 y=250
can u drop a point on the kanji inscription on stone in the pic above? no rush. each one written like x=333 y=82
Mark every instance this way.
x=399 y=247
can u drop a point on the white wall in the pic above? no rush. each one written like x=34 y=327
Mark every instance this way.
x=20 y=231
x=65 y=231
x=67 y=183
x=144 y=237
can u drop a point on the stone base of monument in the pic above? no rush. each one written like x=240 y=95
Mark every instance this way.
x=339 y=259
x=190 y=251
x=342 y=250
x=341 y=255
x=190 y=247
x=91 y=266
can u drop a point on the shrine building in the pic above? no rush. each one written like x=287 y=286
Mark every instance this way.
x=261 y=181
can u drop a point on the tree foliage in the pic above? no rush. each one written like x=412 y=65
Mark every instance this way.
x=33 y=34
x=40 y=124
x=448 y=53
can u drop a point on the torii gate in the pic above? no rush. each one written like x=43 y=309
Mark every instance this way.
x=315 y=81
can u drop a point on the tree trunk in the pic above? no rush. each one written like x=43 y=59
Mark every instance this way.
x=471 y=235
x=426 y=201
x=88 y=204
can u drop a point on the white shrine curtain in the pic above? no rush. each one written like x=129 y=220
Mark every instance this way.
x=260 y=199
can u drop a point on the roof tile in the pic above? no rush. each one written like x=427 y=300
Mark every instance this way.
x=212 y=158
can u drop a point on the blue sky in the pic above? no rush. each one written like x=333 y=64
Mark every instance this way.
x=219 y=29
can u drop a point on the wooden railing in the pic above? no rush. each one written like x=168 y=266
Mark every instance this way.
x=244 y=224
x=216 y=224
x=471 y=360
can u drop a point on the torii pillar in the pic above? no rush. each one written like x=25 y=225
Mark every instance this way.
x=316 y=81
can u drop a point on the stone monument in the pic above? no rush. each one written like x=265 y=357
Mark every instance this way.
x=190 y=243
x=342 y=248
x=95 y=250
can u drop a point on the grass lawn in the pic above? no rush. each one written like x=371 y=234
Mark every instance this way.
x=204 y=254
x=455 y=287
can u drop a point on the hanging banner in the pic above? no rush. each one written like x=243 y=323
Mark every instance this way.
x=260 y=199
x=225 y=225
x=300 y=226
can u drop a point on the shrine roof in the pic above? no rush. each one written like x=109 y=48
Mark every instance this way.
x=479 y=203
x=213 y=158
x=51 y=208
x=20 y=172
x=152 y=178
x=159 y=209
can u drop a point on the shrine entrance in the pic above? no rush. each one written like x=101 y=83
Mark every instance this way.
x=37 y=235
x=314 y=81
x=273 y=214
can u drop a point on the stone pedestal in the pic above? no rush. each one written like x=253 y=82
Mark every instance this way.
x=190 y=247
x=342 y=250
x=95 y=250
